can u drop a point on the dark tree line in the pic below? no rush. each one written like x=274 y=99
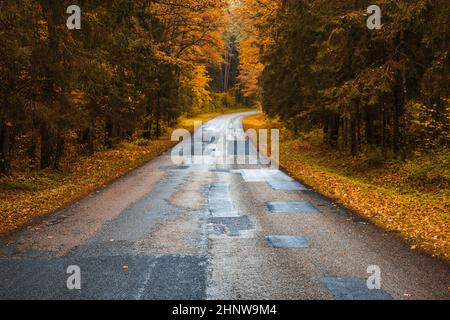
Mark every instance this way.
x=385 y=90
x=128 y=72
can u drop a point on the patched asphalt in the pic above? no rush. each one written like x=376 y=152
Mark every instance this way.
x=213 y=231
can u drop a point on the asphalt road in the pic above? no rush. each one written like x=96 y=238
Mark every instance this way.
x=212 y=230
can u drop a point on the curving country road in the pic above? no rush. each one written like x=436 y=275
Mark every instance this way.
x=212 y=231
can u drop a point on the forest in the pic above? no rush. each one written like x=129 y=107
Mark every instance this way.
x=135 y=66
x=318 y=67
x=364 y=112
x=128 y=73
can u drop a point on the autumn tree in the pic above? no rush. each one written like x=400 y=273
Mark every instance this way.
x=384 y=90
x=131 y=71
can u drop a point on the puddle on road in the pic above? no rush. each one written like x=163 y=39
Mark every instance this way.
x=297 y=207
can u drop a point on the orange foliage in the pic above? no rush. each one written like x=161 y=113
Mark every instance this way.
x=253 y=16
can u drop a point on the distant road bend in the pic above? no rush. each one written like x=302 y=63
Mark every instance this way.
x=212 y=231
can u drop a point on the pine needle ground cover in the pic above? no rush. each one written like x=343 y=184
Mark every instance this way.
x=25 y=196
x=409 y=198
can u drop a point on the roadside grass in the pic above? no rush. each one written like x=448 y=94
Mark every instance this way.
x=409 y=198
x=25 y=196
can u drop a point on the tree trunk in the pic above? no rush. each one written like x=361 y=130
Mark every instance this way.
x=59 y=152
x=326 y=131
x=370 y=134
x=148 y=128
x=32 y=150
x=353 y=135
x=109 y=128
x=345 y=133
x=148 y=121
x=397 y=115
x=91 y=134
x=46 y=147
x=334 y=130
x=5 y=140
x=358 y=125
x=158 y=116
x=383 y=131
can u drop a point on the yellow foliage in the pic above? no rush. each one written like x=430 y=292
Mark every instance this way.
x=253 y=15
x=193 y=30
